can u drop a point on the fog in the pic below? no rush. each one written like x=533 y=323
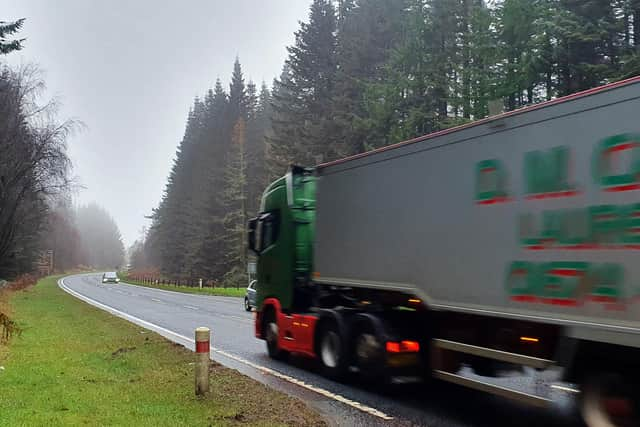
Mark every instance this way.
x=130 y=71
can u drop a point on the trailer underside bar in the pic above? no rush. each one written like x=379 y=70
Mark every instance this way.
x=493 y=389
x=503 y=356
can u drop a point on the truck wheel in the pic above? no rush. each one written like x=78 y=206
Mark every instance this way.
x=271 y=337
x=332 y=351
x=607 y=401
x=247 y=306
x=370 y=354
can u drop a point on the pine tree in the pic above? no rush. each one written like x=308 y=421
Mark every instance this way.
x=479 y=52
x=197 y=194
x=210 y=261
x=235 y=200
x=9 y=29
x=251 y=100
x=285 y=142
x=588 y=44
x=368 y=31
x=258 y=126
x=518 y=26
x=171 y=224
x=237 y=96
x=630 y=50
x=418 y=91
x=303 y=122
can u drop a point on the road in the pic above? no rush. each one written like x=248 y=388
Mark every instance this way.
x=176 y=315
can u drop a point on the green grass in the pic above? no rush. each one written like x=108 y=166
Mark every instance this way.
x=225 y=292
x=74 y=364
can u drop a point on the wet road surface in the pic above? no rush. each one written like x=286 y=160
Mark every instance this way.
x=176 y=315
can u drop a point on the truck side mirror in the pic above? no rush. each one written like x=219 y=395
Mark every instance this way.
x=251 y=235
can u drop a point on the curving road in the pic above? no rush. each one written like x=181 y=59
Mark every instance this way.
x=176 y=315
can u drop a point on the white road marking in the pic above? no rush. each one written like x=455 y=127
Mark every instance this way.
x=191 y=307
x=163 y=331
x=156 y=300
x=231 y=316
x=300 y=383
x=563 y=388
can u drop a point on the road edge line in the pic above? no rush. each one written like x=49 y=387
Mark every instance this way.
x=161 y=330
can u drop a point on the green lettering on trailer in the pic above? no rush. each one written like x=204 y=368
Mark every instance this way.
x=549 y=233
x=565 y=283
x=559 y=282
x=631 y=227
x=606 y=283
x=605 y=224
x=490 y=182
x=604 y=162
x=574 y=228
x=593 y=227
x=547 y=172
x=521 y=281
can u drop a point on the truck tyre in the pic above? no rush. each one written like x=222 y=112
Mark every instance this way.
x=247 y=306
x=369 y=353
x=332 y=350
x=271 y=336
x=607 y=400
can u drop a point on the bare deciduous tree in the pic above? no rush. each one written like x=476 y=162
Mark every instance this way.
x=34 y=167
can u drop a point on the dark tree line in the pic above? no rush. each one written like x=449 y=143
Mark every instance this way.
x=215 y=182
x=86 y=236
x=363 y=74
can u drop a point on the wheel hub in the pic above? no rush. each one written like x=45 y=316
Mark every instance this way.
x=367 y=347
x=272 y=332
x=330 y=349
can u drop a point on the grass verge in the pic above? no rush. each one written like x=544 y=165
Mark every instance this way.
x=225 y=292
x=6 y=310
x=74 y=364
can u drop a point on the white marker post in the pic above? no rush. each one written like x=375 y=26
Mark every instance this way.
x=200 y=283
x=203 y=349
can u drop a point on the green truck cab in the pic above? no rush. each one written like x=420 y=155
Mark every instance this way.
x=282 y=236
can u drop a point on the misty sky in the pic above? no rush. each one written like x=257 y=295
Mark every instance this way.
x=130 y=70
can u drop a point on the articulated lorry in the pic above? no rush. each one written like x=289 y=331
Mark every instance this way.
x=510 y=241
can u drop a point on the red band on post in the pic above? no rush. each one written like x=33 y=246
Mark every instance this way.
x=202 y=346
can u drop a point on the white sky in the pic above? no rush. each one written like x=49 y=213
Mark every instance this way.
x=130 y=70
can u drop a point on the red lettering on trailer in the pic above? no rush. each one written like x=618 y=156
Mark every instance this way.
x=620 y=188
x=553 y=195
